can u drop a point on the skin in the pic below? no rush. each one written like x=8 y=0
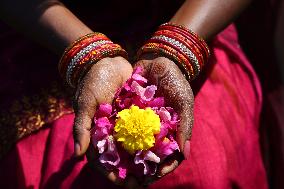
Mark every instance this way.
x=55 y=27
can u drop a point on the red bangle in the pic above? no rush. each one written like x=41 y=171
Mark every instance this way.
x=190 y=34
x=80 y=44
x=168 y=52
x=197 y=65
x=81 y=54
x=181 y=45
x=187 y=42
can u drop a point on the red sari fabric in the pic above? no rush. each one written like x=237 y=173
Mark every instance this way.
x=225 y=151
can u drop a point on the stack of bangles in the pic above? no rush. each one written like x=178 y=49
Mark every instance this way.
x=175 y=42
x=83 y=53
x=181 y=45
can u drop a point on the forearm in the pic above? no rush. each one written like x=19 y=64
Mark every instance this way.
x=47 y=22
x=208 y=17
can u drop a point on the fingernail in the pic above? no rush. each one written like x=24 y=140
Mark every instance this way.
x=169 y=168
x=77 y=149
x=186 y=150
x=160 y=175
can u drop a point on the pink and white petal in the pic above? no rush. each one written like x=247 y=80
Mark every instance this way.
x=149 y=161
x=140 y=79
x=163 y=132
x=164 y=114
x=101 y=130
x=146 y=94
x=165 y=148
x=150 y=156
x=149 y=92
x=102 y=145
x=110 y=156
x=138 y=89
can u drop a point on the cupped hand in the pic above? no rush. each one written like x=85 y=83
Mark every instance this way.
x=176 y=90
x=98 y=86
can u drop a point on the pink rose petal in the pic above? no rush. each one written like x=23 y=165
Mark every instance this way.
x=165 y=148
x=138 y=70
x=122 y=172
x=163 y=132
x=104 y=110
x=103 y=122
x=157 y=102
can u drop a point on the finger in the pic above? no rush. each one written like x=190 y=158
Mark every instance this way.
x=184 y=129
x=169 y=167
x=110 y=175
x=132 y=183
x=93 y=159
x=186 y=150
x=170 y=164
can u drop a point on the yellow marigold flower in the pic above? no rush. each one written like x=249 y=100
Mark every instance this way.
x=135 y=128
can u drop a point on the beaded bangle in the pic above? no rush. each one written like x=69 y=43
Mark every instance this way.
x=188 y=43
x=171 y=53
x=84 y=52
x=181 y=48
x=181 y=45
x=76 y=46
x=191 y=34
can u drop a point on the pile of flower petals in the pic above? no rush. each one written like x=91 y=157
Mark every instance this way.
x=111 y=154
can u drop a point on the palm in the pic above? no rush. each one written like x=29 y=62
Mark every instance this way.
x=177 y=92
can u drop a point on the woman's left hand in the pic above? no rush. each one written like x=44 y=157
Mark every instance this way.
x=172 y=84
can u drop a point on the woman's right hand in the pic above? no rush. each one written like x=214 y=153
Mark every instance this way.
x=98 y=86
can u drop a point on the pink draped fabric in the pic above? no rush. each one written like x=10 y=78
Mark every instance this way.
x=225 y=150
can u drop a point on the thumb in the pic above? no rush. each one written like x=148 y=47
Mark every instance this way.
x=184 y=130
x=81 y=131
x=85 y=107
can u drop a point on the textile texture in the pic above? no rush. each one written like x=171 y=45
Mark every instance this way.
x=225 y=150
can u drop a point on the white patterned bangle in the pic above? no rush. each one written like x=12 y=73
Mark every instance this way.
x=79 y=56
x=191 y=56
